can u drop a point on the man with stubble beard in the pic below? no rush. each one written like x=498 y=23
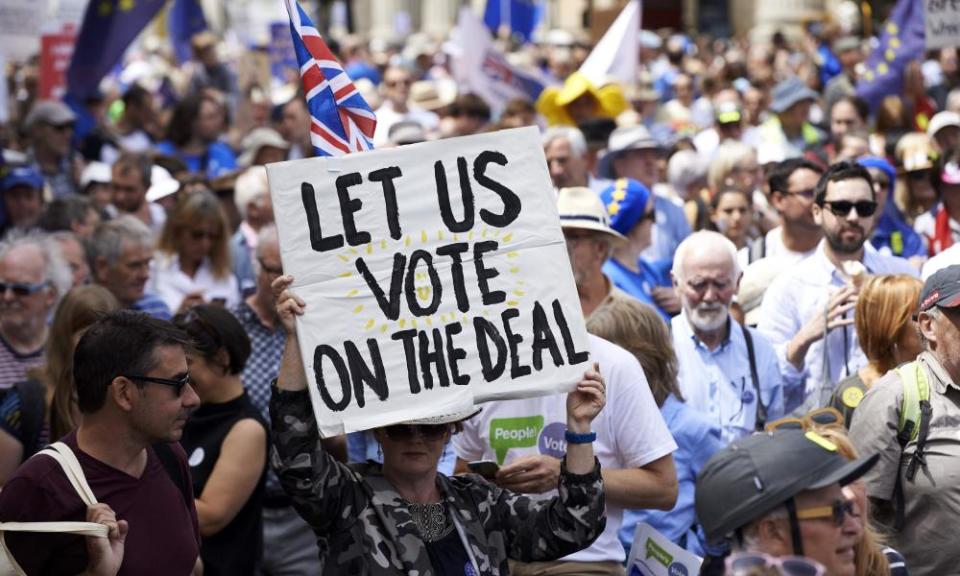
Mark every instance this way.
x=812 y=305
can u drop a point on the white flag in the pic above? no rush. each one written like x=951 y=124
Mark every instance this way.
x=617 y=53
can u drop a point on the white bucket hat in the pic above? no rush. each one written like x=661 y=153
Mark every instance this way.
x=581 y=208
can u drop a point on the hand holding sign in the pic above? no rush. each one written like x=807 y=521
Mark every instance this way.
x=434 y=277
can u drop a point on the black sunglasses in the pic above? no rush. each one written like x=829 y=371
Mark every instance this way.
x=841 y=208
x=22 y=289
x=406 y=432
x=835 y=512
x=177 y=384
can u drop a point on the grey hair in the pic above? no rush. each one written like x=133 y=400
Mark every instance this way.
x=935 y=313
x=953 y=100
x=685 y=168
x=108 y=238
x=56 y=270
x=250 y=188
x=701 y=241
x=750 y=541
x=578 y=144
x=267 y=235
x=727 y=156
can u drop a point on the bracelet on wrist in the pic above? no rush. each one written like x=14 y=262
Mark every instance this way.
x=574 y=438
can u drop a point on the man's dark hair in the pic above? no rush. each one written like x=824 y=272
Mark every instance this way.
x=211 y=328
x=121 y=343
x=142 y=163
x=781 y=173
x=63 y=213
x=135 y=96
x=860 y=106
x=839 y=172
x=470 y=105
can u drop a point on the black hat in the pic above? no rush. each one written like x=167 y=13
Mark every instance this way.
x=942 y=289
x=756 y=474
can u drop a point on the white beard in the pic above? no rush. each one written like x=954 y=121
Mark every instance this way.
x=707 y=317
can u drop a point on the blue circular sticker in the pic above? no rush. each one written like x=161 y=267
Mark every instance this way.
x=747 y=396
x=677 y=569
x=552 y=441
x=469 y=571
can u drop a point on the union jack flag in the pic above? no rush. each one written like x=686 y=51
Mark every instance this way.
x=342 y=122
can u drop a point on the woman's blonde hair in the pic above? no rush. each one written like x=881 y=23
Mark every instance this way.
x=80 y=308
x=869 y=559
x=640 y=330
x=194 y=210
x=726 y=158
x=885 y=306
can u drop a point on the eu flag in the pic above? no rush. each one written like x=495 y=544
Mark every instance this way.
x=186 y=19
x=520 y=15
x=109 y=26
x=901 y=41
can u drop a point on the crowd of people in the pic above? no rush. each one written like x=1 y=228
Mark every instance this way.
x=768 y=266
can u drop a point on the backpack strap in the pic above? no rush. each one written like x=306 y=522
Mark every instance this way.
x=172 y=466
x=32 y=412
x=914 y=424
x=755 y=378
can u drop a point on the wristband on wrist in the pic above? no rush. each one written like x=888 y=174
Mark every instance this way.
x=574 y=438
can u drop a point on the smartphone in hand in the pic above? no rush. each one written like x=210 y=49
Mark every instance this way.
x=486 y=468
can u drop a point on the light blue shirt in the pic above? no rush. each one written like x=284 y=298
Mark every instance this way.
x=697 y=440
x=792 y=300
x=671 y=228
x=362 y=446
x=640 y=284
x=718 y=383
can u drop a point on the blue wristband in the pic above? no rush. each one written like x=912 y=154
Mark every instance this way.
x=574 y=438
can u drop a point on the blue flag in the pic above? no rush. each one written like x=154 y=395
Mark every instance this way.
x=520 y=15
x=901 y=42
x=186 y=19
x=109 y=26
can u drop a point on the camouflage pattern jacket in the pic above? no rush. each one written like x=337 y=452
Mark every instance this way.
x=363 y=525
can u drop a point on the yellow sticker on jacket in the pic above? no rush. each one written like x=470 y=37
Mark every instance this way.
x=851 y=397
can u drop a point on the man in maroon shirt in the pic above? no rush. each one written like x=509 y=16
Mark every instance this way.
x=134 y=392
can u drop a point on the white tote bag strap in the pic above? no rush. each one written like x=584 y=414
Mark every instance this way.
x=78 y=528
x=71 y=467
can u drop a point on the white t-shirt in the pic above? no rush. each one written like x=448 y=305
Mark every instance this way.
x=630 y=431
x=172 y=285
x=948 y=257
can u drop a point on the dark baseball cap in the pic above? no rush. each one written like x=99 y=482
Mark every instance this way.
x=754 y=475
x=942 y=289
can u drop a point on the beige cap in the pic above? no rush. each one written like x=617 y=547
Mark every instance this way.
x=581 y=208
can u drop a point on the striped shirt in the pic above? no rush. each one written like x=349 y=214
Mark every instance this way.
x=13 y=365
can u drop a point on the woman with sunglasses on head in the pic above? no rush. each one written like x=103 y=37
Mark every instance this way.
x=226 y=443
x=630 y=209
x=872 y=557
x=193 y=256
x=885 y=321
x=403 y=517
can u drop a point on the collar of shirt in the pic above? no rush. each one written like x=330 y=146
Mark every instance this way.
x=683 y=328
x=830 y=274
x=249 y=235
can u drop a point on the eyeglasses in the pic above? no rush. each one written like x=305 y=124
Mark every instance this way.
x=392 y=83
x=22 y=289
x=199 y=235
x=841 y=208
x=406 y=432
x=701 y=286
x=177 y=384
x=827 y=417
x=918 y=174
x=835 y=512
x=750 y=564
x=807 y=193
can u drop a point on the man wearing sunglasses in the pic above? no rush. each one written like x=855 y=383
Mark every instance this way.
x=134 y=392
x=33 y=277
x=807 y=313
x=780 y=493
x=913 y=490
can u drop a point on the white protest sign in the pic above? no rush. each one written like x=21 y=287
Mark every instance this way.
x=652 y=554
x=435 y=277
x=941 y=23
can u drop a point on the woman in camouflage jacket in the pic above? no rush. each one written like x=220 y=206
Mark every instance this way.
x=403 y=517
